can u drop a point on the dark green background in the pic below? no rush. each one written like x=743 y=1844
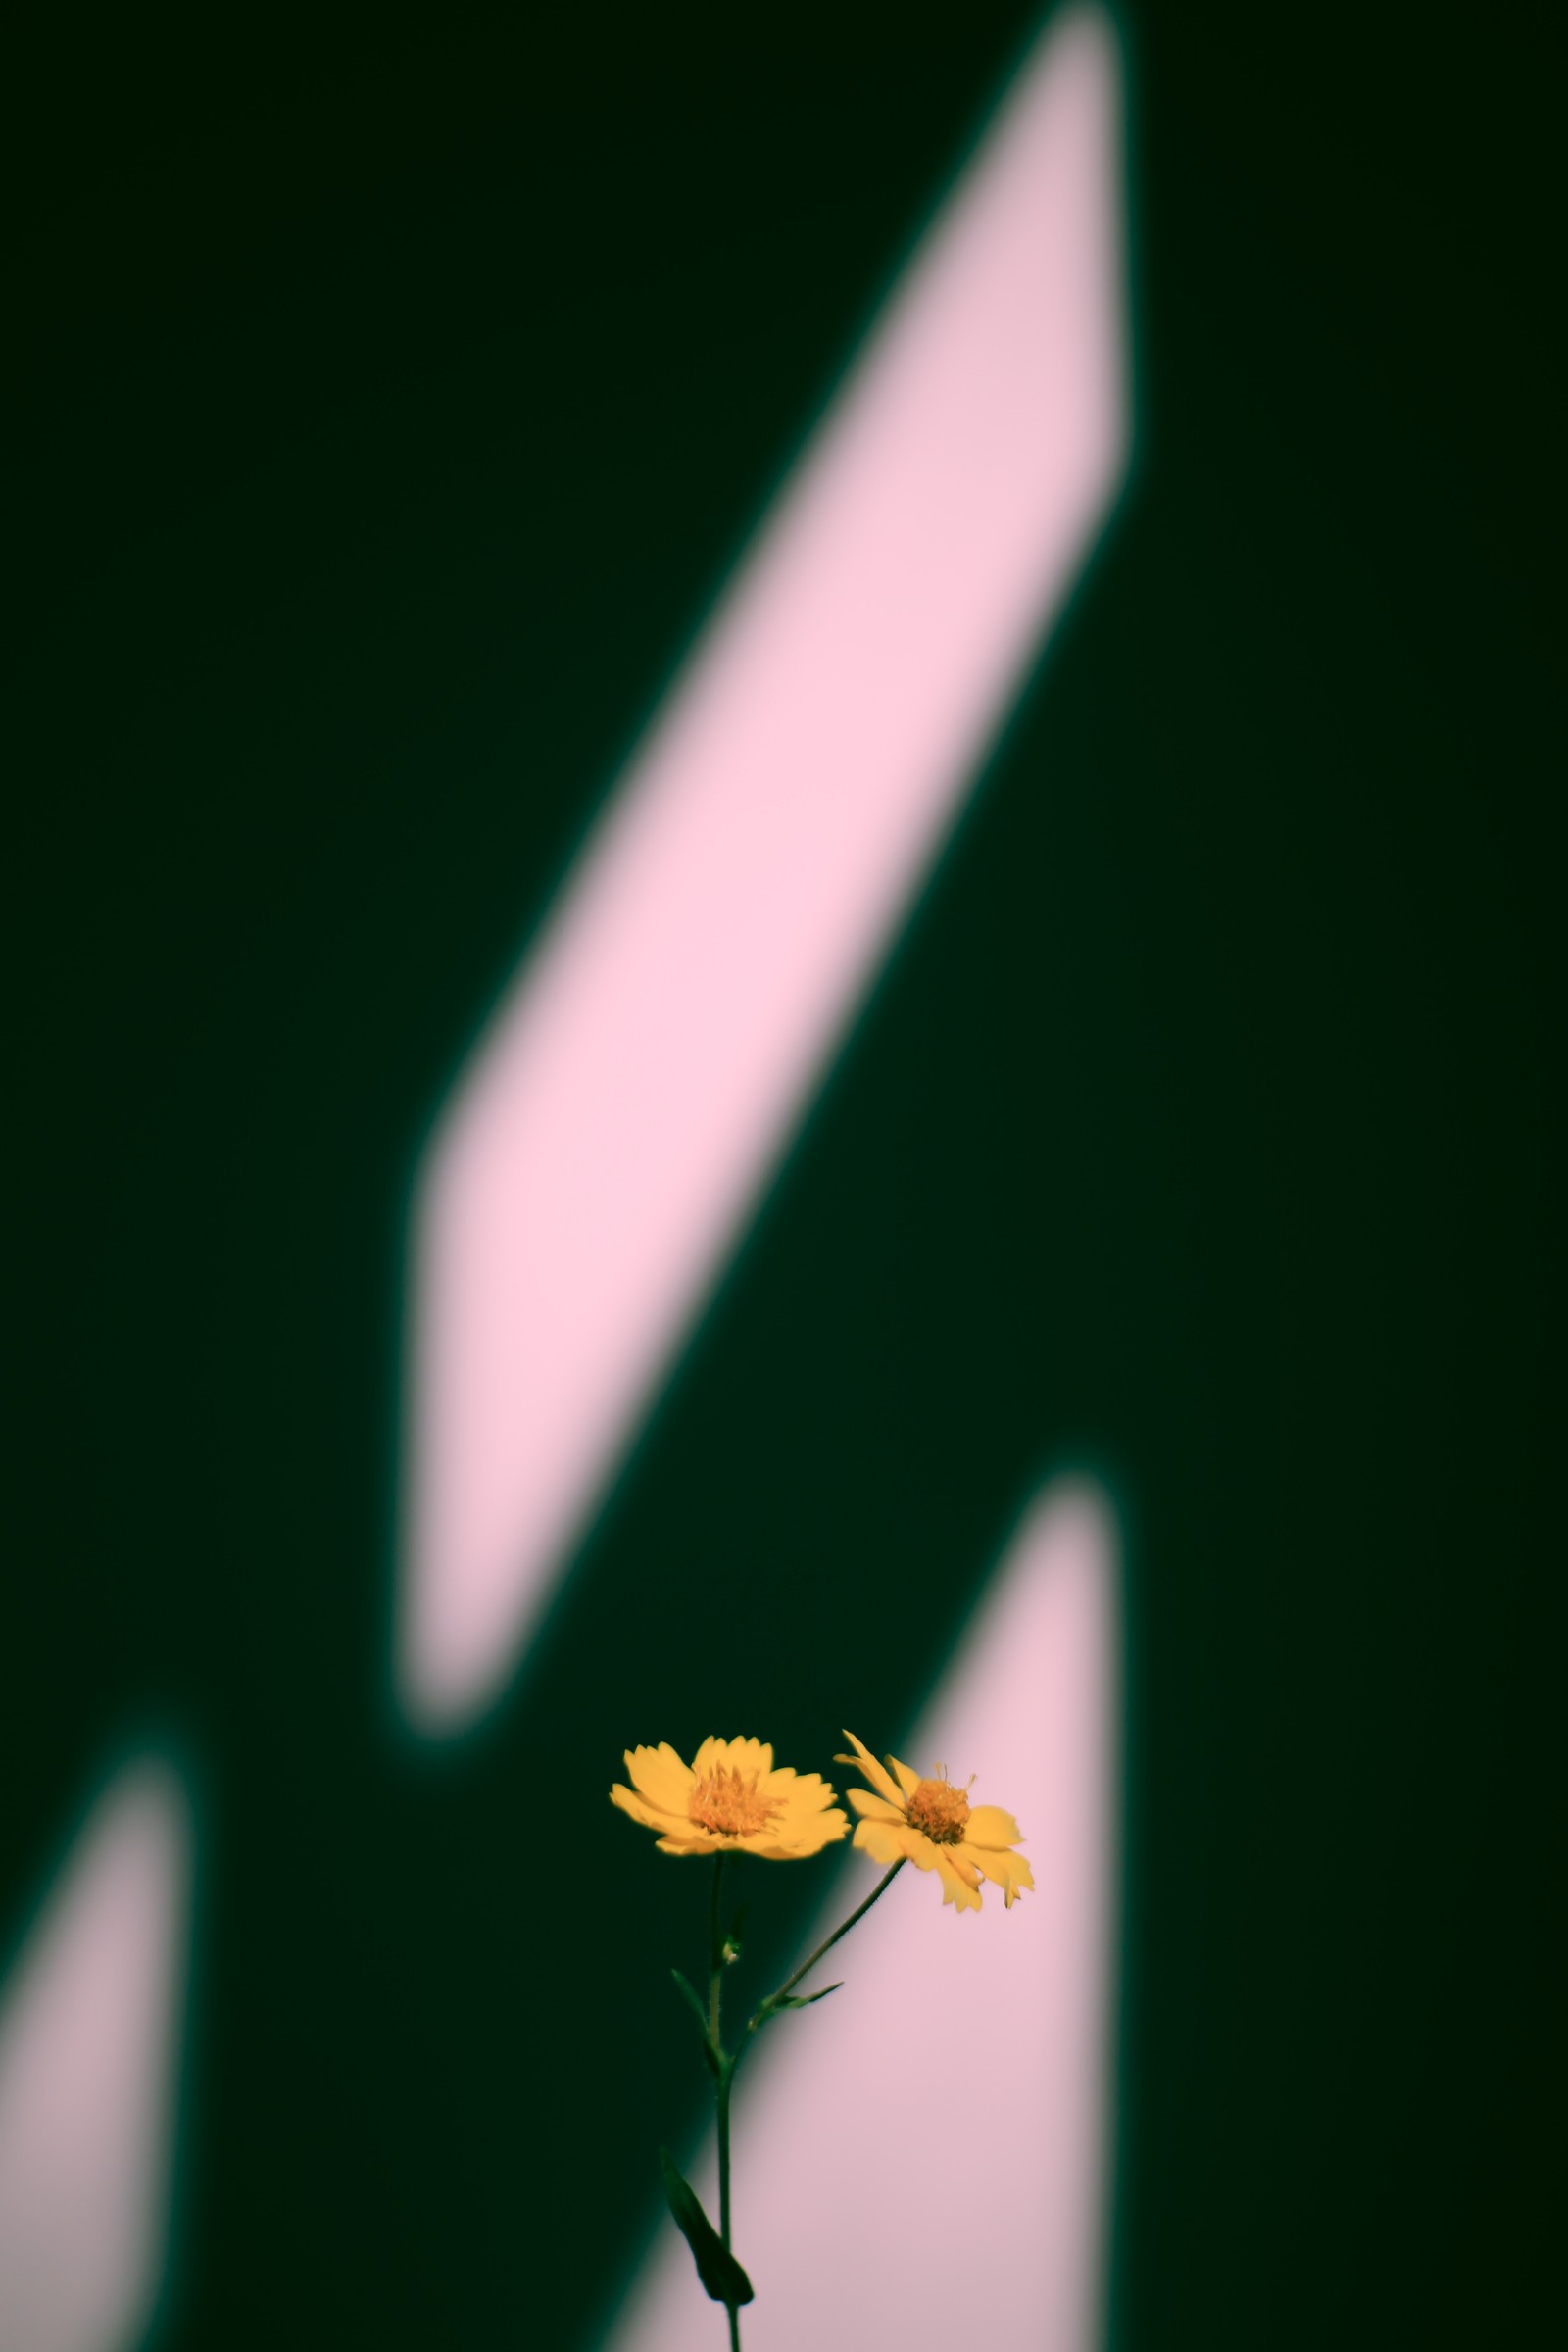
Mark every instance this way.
x=391 y=405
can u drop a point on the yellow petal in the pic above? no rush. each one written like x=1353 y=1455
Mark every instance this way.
x=798 y=1841
x=797 y=1805
x=872 y=1809
x=872 y=1770
x=823 y=1828
x=658 y=1775
x=917 y=1847
x=806 y=1791
x=882 y=1842
x=1022 y=1882
x=954 y=1889
x=988 y=1825
x=696 y=1843
x=1011 y=1872
x=649 y=1815
x=747 y=1757
x=909 y=1782
x=793 y=1800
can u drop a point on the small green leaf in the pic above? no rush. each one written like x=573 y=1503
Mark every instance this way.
x=721 y=2273
x=690 y=1996
x=803 y=2000
x=776 y=2003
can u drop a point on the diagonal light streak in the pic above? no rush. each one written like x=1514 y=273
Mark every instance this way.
x=635 y=1089
x=937 y=2133
x=90 y=2036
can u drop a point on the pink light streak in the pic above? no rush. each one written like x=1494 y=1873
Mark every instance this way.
x=637 y=1086
x=937 y=2132
x=90 y=2036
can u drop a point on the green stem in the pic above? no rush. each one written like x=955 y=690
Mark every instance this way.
x=876 y=1896
x=727 y=2069
x=728 y=2066
x=715 y=1953
x=727 y=2076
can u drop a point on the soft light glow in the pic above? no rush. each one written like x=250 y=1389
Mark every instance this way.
x=936 y=2134
x=90 y=2032
x=635 y=1089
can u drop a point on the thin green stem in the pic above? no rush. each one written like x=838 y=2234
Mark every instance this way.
x=728 y=2066
x=876 y=1896
x=715 y=1953
x=727 y=2076
x=726 y=2070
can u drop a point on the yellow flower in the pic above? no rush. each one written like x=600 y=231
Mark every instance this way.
x=729 y=1799
x=934 y=1826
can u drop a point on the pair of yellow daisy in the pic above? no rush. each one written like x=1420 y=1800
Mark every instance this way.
x=731 y=1798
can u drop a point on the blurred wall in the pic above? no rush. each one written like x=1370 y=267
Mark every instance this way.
x=389 y=413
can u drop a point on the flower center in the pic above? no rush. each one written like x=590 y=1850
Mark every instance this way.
x=939 y=1810
x=730 y=1806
